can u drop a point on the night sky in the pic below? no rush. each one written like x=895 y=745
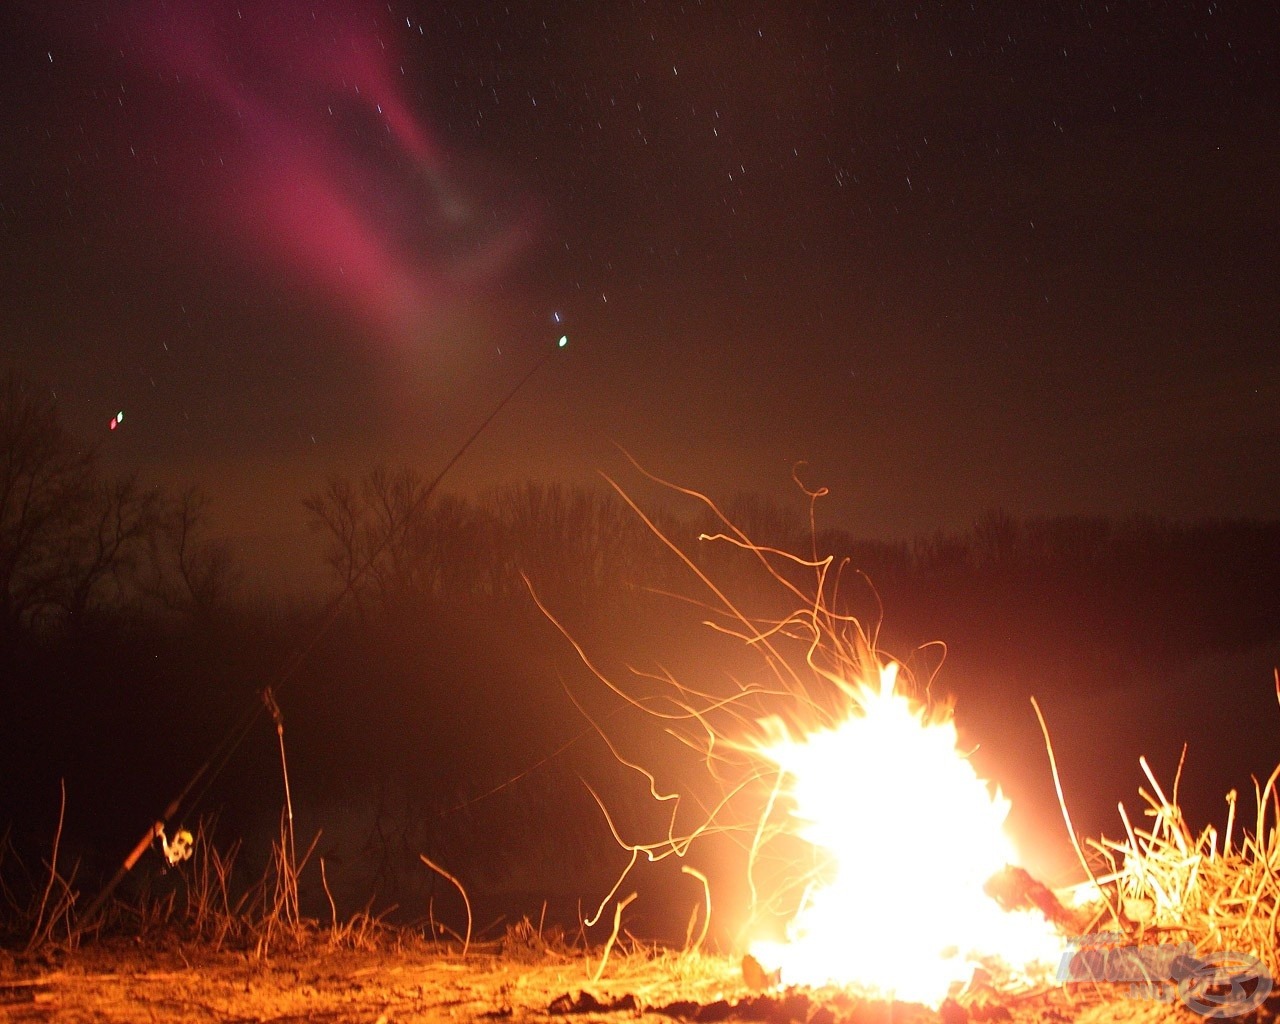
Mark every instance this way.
x=956 y=257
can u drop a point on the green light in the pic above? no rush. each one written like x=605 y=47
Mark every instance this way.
x=564 y=340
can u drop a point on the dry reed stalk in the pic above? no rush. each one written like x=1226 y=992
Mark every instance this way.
x=46 y=919
x=1062 y=805
x=288 y=845
x=333 y=909
x=37 y=930
x=613 y=936
x=706 y=913
x=466 y=942
x=214 y=916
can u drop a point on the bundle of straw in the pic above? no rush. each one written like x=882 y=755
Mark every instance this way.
x=1170 y=882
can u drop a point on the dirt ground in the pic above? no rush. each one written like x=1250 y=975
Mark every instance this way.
x=109 y=984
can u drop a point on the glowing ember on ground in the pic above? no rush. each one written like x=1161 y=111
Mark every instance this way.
x=910 y=834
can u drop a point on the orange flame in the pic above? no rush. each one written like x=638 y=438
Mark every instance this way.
x=912 y=834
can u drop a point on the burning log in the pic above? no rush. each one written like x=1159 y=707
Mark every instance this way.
x=756 y=977
x=1014 y=888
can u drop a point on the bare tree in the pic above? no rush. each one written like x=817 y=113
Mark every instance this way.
x=376 y=532
x=997 y=539
x=102 y=552
x=191 y=572
x=386 y=544
x=571 y=541
x=337 y=512
x=71 y=540
x=47 y=488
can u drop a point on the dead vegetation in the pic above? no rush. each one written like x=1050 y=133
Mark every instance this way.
x=1214 y=890
x=235 y=951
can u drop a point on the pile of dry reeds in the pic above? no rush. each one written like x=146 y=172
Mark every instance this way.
x=1214 y=890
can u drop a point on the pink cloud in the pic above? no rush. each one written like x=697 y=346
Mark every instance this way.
x=331 y=176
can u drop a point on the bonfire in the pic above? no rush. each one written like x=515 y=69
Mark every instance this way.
x=910 y=840
x=867 y=827
x=871 y=833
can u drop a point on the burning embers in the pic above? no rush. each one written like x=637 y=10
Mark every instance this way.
x=907 y=836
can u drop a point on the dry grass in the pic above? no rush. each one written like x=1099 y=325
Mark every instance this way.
x=205 y=901
x=38 y=911
x=1217 y=891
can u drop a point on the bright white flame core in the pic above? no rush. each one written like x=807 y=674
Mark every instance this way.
x=912 y=833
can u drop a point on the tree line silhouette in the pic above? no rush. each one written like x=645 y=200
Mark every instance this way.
x=75 y=543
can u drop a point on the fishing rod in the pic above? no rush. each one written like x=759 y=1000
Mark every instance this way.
x=212 y=766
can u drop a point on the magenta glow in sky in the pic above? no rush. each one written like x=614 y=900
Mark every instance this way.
x=326 y=170
x=955 y=257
